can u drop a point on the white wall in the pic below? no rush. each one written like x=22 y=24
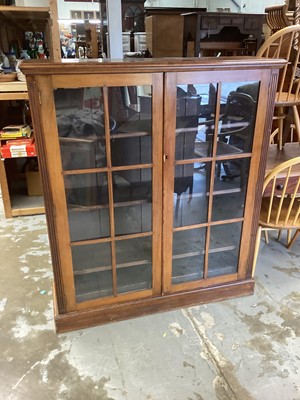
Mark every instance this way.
x=251 y=6
x=64 y=7
x=176 y=3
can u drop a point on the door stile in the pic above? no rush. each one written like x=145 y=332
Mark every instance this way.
x=261 y=138
x=168 y=176
x=157 y=174
x=46 y=134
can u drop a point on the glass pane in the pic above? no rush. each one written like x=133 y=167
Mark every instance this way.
x=229 y=189
x=93 y=285
x=188 y=255
x=130 y=107
x=132 y=194
x=92 y=271
x=133 y=219
x=238 y=113
x=80 y=123
x=87 y=202
x=88 y=224
x=194 y=120
x=131 y=150
x=91 y=256
x=191 y=186
x=86 y=190
x=134 y=264
x=224 y=249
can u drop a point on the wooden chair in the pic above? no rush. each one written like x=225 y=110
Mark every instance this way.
x=276 y=17
x=281 y=209
x=283 y=44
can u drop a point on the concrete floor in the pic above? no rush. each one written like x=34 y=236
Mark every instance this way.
x=242 y=349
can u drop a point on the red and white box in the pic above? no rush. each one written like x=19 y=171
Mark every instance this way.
x=18 y=148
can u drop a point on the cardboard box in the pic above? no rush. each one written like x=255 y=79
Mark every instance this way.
x=33 y=179
x=18 y=148
x=18 y=151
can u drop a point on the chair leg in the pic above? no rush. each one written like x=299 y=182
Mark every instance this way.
x=266 y=236
x=256 y=249
x=279 y=234
x=273 y=135
x=291 y=242
x=288 y=235
x=280 y=128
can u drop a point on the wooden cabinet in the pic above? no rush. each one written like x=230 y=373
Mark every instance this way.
x=152 y=173
x=164 y=35
x=223 y=33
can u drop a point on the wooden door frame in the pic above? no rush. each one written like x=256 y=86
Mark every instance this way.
x=46 y=131
x=253 y=195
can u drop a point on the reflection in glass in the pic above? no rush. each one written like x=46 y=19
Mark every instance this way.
x=188 y=255
x=194 y=120
x=92 y=286
x=133 y=185
x=229 y=194
x=132 y=193
x=128 y=104
x=134 y=264
x=191 y=185
x=238 y=113
x=91 y=256
x=85 y=190
x=133 y=219
x=224 y=249
x=87 y=202
x=82 y=153
x=131 y=150
x=88 y=224
x=80 y=123
x=130 y=107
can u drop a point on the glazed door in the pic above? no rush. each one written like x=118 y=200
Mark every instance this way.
x=210 y=169
x=110 y=142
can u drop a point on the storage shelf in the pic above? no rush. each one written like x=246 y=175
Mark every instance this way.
x=13 y=91
x=199 y=249
x=23 y=205
x=16 y=200
x=27 y=18
x=19 y=203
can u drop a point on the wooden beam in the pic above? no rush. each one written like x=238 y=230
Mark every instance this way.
x=53 y=32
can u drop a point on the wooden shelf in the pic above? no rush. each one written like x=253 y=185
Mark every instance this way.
x=26 y=18
x=15 y=199
x=14 y=21
x=17 y=203
x=22 y=205
x=13 y=91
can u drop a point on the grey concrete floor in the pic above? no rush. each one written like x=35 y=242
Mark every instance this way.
x=242 y=349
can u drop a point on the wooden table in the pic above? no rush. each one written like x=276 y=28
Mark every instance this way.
x=276 y=157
